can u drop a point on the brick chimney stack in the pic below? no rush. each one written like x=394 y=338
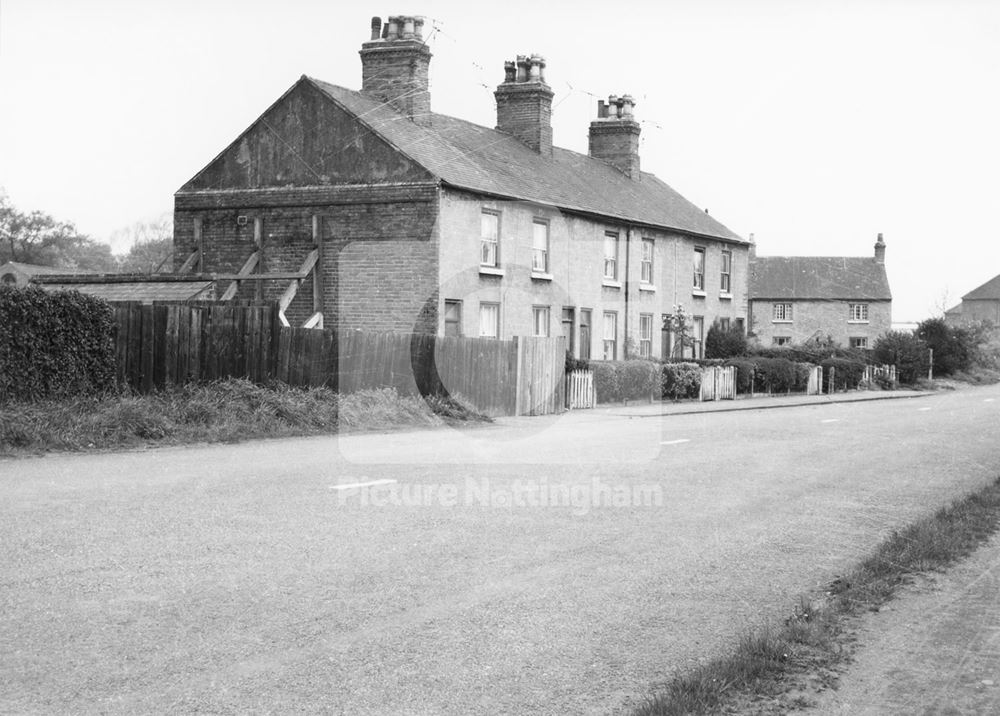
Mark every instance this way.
x=614 y=135
x=880 y=250
x=394 y=65
x=524 y=103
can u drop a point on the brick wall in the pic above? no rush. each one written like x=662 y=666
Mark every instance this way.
x=823 y=317
x=525 y=111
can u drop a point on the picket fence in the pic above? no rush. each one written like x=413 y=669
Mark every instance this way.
x=171 y=344
x=718 y=383
x=580 y=390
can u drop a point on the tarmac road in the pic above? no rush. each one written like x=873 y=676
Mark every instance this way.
x=541 y=565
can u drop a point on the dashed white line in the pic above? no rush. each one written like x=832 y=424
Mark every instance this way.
x=831 y=420
x=922 y=409
x=989 y=400
x=675 y=442
x=358 y=485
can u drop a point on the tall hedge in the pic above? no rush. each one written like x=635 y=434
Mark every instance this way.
x=54 y=344
x=615 y=381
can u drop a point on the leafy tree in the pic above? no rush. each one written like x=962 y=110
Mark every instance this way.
x=151 y=246
x=903 y=350
x=679 y=325
x=725 y=343
x=954 y=348
x=37 y=238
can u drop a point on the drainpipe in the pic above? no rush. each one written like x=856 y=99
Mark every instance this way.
x=628 y=244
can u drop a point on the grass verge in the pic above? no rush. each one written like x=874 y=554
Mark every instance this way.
x=222 y=411
x=770 y=664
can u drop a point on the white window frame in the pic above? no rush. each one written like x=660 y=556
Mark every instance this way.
x=492 y=326
x=645 y=335
x=646 y=268
x=458 y=306
x=781 y=313
x=540 y=248
x=699 y=271
x=858 y=313
x=609 y=345
x=781 y=340
x=489 y=246
x=861 y=341
x=726 y=274
x=611 y=257
x=541 y=321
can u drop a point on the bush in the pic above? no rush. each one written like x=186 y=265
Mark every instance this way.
x=55 y=344
x=775 y=375
x=729 y=343
x=680 y=380
x=847 y=372
x=615 y=381
x=953 y=348
x=575 y=363
x=905 y=351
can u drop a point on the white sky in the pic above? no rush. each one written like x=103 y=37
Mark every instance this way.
x=814 y=125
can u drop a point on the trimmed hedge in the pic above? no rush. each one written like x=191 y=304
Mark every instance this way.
x=847 y=373
x=680 y=380
x=615 y=381
x=54 y=344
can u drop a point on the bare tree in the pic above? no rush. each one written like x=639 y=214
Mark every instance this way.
x=151 y=245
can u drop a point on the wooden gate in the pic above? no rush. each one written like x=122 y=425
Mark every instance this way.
x=580 y=390
x=718 y=383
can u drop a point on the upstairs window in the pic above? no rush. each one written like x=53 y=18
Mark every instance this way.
x=727 y=272
x=611 y=256
x=699 y=269
x=859 y=313
x=647 y=261
x=540 y=246
x=782 y=312
x=489 y=239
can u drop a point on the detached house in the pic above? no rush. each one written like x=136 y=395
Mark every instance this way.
x=981 y=304
x=794 y=298
x=365 y=209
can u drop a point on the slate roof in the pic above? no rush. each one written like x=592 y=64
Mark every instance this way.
x=988 y=291
x=467 y=156
x=818 y=278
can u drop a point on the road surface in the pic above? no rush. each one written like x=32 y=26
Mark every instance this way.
x=540 y=565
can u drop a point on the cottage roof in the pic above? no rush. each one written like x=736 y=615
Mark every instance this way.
x=819 y=278
x=467 y=156
x=988 y=291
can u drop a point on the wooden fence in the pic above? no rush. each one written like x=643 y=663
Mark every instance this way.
x=171 y=344
x=580 y=390
x=718 y=383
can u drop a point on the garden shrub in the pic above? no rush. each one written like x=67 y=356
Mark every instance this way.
x=729 y=343
x=607 y=385
x=954 y=348
x=55 y=344
x=775 y=375
x=681 y=380
x=745 y=369
x=905 y=351
x=615 y=381
x=847 y=374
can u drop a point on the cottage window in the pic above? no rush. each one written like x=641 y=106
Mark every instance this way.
x=781 y=340
x=610 y=335
x=647 y=261
x=489 y=320
x=489 y=239
x=645 y=335
x=611 y=256
x=540 y=246
x=782 y=312
x=452 y=317
x=540 y=321
x=698 y=333
x=858 y=313
x=699 y=269
x=727 y=272
x=859 y=342
x=724 y=325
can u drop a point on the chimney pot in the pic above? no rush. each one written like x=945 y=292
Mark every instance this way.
x=407 y=28
x=880 y=250
x=376 y=28
x=418 y=27
x=393 y=31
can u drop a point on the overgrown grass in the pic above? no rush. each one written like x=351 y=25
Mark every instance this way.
x=769 y=663
x=228 y=410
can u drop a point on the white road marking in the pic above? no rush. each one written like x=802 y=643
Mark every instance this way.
x=831 y=420
x=675 y=442
x=989 y=400
x=357 y=485
x=922 y=409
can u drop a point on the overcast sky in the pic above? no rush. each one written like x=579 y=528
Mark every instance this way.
x=812 y=125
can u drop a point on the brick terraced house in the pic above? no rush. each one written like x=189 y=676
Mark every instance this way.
x=365 y=209
x=795 y=298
